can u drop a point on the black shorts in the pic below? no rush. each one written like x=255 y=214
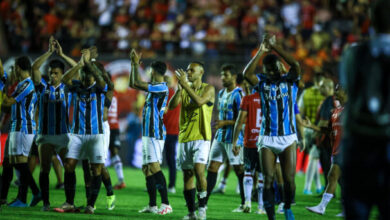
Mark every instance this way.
x=114 y=139
x=337 y=159
x=251 y=159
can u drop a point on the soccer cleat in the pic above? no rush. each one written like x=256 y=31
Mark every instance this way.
x=288 y=215
x=340 y=215
x=66 y=207
x=17 y=204
x=202 y=214
x=172 y=190
x=280 y=208
x=247 y=207
x=45 y=208
x=219 y=190
x=190 y=216
x=149 y=209
x=120 y=185
x=111 y=202
x=35 y=199
x=319 y=190
x=307 y=192
x=239 y=209
x=60 y=186
x=89 y=210
x=261 y=211
x=164 y=209
x=316 y=209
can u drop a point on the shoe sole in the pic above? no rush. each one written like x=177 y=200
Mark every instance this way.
x=310 y=210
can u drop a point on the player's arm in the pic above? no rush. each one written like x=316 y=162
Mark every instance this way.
x=295 y=69
x=250 y=68
x=8 y=101
x=176 y=98
x=97 y=74
x=72 y=72
x=60 y=53
x=242 y=115
x=136 y=82
x=208 y=95
x=36 y=73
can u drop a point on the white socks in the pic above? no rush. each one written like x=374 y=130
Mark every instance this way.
x=260 y=187
x=325 y=199
x=116 y=160
x=248 y=186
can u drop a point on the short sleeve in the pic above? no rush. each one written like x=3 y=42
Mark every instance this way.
x=296 y=109
x=244 y=104
x=23 y=89
x=237 y=100
x=41 y=86
x=157 y=88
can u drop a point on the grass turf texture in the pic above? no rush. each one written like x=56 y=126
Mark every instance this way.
x=134 y=197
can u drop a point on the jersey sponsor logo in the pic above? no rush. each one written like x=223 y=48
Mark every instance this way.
x=255 y=131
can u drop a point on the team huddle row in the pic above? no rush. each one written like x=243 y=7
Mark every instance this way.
x=266 y=104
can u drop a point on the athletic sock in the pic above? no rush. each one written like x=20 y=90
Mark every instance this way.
x=95 y=188
x=222 y=184
x=108 y=185
x=87 y=178
x=6 y=181
x=260 y=188
x=29 y=179
x=151 y=187
x=189 y=196
x=326 y=197
x=70 y=186
x=241 y=185
x=269 y=203
x=44 y=185
x=202 y=199
x=211 y=181
x=116 y=160
x=161 y=185
x=23 y=185
x=248 y=186
x=288 y=195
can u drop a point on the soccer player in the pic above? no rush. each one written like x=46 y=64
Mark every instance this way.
x=364 y=73
x=22 y=132
x=53 y=126
x=278 y=128
x=229 y=100
x=88 y=96
x=197 y=101
x=309 y=102
x=335 y=170
x=153 y=131
x=250 y=115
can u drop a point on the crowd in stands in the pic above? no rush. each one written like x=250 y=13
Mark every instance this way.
x=316 y=30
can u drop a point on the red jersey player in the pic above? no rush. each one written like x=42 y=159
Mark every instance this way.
x=250 y=115
x=335 y=171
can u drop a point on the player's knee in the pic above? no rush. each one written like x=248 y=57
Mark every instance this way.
x=238 y=169
x=97 y=169
x=214 y=166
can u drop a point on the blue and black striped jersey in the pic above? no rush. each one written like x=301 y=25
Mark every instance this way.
x=153 y=112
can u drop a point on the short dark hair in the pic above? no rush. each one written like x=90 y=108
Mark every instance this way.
x=229 y=67
x=270 y=59
x=199 y=63
x=57 y=64
x=159 y=67
x=380 y=15
x=23 y=63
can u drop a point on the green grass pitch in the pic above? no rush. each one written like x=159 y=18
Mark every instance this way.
x=134 y=197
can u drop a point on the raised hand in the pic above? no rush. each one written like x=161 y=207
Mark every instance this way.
x=181 y=75
x=52 y=44
x=94 y=52
x=58 y=48
x=134 y=57
x=264 y=46
x=86 y=54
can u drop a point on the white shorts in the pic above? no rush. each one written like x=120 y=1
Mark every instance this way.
x=58 y=141
x=106 y=132
x=87 y=147
x=221 y=151
x=152 y=150
x=314 y=152
x=193 y=152
x=19 y=143
x=277 y=144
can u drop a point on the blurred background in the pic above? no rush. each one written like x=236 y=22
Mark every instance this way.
x=178 y=32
